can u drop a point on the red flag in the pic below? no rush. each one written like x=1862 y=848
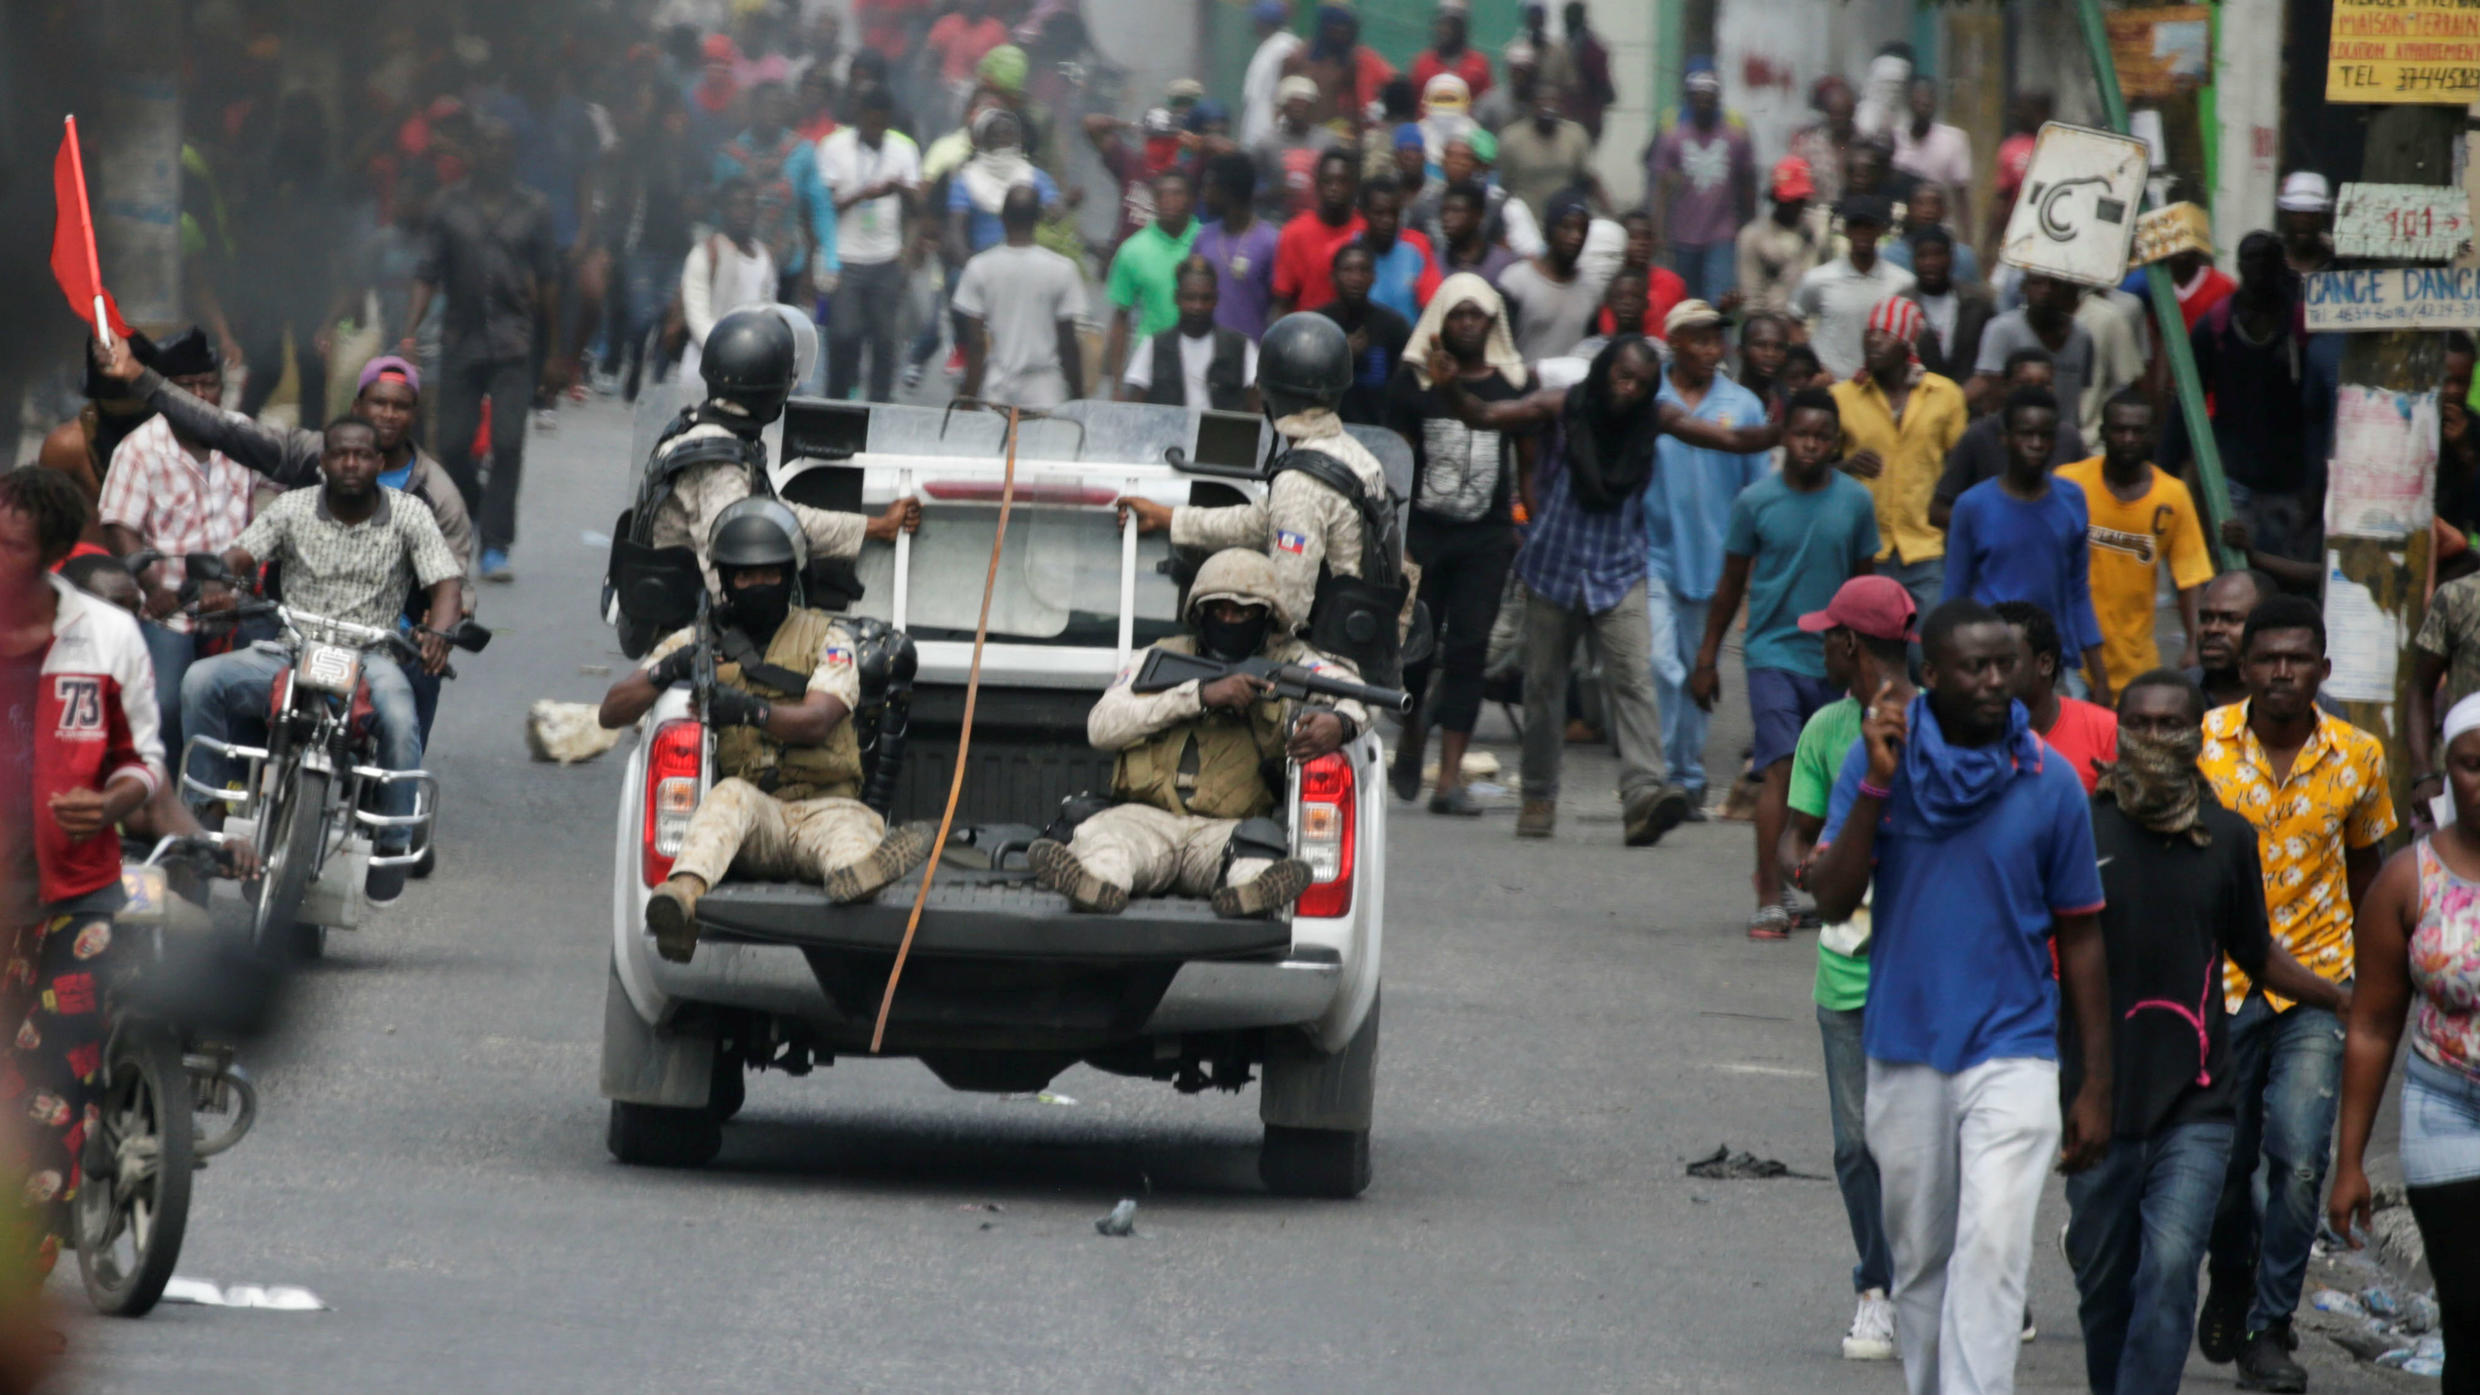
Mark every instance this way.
x=73 y=237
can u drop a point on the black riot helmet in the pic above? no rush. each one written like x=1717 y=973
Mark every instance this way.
x=750 y=363
x=757 y=532
x=1303 y=361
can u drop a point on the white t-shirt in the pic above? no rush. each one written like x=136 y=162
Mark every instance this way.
x=873 y=230
x=1021 y=294
x=1196 y=356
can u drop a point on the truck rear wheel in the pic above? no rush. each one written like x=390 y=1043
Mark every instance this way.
x=1314 y=1162
x=647 y=1135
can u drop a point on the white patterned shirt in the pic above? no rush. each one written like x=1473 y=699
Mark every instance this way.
x=355 y=572
x=177 y=503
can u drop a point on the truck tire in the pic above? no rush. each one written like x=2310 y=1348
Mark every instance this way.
x=1314 y=1162
x=1317 y=1108
x=647 y=1135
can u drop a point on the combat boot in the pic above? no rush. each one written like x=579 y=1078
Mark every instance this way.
x=671 y=914
x=1060 y=870
x=896 y=855
x=1271 y=890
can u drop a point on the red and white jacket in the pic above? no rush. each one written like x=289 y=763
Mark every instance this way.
x=95 y=719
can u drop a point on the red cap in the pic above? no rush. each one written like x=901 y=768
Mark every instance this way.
x=1792 y=179
x=1875 y=606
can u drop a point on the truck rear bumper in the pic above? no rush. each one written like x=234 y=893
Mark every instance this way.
x=979 y=914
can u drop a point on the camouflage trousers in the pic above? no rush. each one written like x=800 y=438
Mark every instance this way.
x=739 y=828
x=1154 y=852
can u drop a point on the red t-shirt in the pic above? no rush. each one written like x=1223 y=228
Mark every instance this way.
x=2214 y=288
x=886 y=25
x=1304 y=259
x=1470 y=66
x=1663 y=289
x=2014 y=157
x=961 y=44
x=2085 y=732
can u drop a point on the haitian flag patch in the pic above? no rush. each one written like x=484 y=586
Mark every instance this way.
x=1292 y=542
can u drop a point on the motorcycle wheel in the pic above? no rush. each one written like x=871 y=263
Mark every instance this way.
x=129 y=1224
x=292 y=863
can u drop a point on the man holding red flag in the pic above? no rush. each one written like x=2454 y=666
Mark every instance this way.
x=73 y=241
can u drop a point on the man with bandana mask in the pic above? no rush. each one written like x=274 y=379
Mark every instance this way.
x=2184 y=888
x=1199 y=765
x=787 y=757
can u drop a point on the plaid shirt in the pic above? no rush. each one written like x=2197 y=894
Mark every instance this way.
x=356 y=572
x=175 y=502
x=1572 y=558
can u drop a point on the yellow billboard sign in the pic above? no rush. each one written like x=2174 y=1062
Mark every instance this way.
x=2395 y=51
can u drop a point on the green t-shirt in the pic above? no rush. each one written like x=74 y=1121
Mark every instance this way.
x=1842 y=979
x=1145 y=277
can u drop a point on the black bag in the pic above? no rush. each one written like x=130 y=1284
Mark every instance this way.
x=1359 y=618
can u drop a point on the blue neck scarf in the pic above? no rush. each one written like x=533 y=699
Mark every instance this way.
x=1954 y=785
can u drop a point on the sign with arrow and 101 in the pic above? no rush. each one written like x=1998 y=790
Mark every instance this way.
x=2077 y=212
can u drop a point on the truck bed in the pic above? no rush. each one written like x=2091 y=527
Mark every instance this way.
x=985 y=913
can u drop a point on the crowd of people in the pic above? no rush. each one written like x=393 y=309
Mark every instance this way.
x=2075 y=905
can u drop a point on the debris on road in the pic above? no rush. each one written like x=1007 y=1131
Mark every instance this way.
x=567 y=732
x=282 y=1298
x=1041 y=1097
x=1122 y=1220
x=1725 y=1165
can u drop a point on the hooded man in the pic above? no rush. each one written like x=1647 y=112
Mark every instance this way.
x=1191 y=783
x=1462 y=532
x=787 y=760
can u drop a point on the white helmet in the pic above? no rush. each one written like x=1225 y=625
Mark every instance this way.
x=1238 y=574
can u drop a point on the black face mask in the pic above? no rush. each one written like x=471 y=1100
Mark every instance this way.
x=1231 y=641
x=758 y=611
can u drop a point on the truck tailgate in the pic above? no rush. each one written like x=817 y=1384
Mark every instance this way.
x=984 y=914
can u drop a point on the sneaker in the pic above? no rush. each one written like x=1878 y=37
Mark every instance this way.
x=1539 y=818
x=955 y=362
x=912 y=375
x=1770 y=923
x=671 y=915
x=2265 y=1362
x=1271 y=890
x=896 y=855
x=2221 y=1324
x=546 y=421
x=1457 y=803
x=1871 y=1337
x=1696 y=808
x=495 y=565
x=1060 y=870
x=2032 y=1329
x=1654 y=813
x=382 y=885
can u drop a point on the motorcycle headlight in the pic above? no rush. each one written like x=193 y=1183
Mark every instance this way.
x=329 y=668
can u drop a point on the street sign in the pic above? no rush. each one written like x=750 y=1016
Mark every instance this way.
x=2398 y=51
x=2397 y=297
x=2166 y=232
x=2077 y=212
x=2402 y=222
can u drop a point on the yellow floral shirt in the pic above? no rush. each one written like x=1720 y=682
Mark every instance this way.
x=2335 y=798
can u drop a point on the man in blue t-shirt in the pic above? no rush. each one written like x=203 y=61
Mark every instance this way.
x=2024 y=537
x=1688 y=507
x=1980 y=847
x=1790 y=543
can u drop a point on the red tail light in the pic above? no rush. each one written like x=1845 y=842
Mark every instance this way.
x=671 y=794
x=1327 y=835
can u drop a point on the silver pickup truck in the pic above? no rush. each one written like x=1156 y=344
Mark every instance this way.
x=1006 y=987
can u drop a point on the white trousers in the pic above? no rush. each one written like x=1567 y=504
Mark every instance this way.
x=1960 y=1162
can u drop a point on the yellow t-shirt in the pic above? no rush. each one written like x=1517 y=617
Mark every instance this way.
x=2129 y=540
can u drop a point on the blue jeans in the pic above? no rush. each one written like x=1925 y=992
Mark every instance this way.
x=225 y=698
x=1855 y=1170
x=2287 y=1071
x=1711 y=269
x=170 y=651
x=1678 y=632
x=2138 y=1223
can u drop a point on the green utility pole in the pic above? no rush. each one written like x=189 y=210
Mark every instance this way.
x=2216 y=500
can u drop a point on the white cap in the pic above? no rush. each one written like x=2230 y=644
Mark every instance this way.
x=2305 y=191
x=1297 y=85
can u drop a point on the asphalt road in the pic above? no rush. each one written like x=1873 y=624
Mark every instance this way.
x=1566 y=1024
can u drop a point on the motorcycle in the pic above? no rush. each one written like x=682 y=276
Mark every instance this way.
x=171 y=1098
x=309 y=799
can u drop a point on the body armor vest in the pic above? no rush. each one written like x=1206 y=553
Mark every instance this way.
x=789 y=772
x=1212 y=765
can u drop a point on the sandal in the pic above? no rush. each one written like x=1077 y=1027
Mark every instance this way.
x=1770 y=923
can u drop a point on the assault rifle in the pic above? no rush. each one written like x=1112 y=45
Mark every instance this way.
x=1166 y=669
